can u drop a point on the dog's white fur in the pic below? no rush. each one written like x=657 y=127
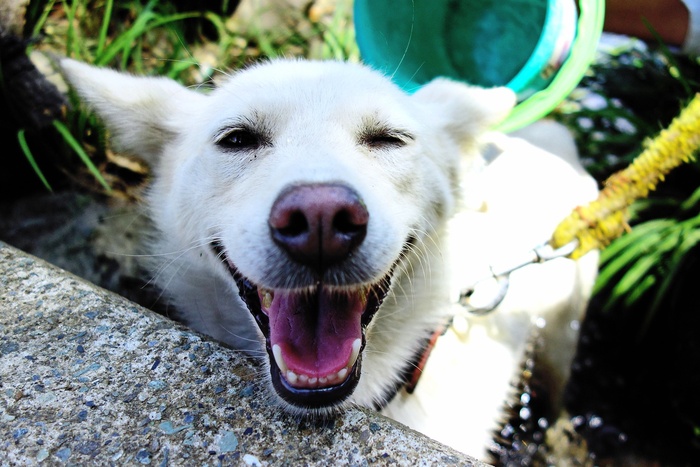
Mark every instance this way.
x=315 y=113
x=531 y=181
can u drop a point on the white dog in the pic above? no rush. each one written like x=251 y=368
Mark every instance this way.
x=302 y=212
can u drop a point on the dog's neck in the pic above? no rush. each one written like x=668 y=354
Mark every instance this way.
x=414 y=368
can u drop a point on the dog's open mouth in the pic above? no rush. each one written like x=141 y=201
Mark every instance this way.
x=314 y=336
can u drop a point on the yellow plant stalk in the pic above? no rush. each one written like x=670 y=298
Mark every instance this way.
x=601 y=221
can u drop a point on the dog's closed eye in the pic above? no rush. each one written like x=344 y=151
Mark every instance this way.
x=384 y=138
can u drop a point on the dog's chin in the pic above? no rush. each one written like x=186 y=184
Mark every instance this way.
x=314 y=337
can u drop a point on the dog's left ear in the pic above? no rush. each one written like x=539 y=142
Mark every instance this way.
x=463 y=110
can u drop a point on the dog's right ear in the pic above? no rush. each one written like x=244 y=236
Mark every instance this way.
x=463 y=110
x=141 y=113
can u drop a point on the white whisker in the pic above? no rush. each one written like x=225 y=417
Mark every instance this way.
x=410 y=38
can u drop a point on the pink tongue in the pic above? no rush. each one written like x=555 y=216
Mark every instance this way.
x=315 y=331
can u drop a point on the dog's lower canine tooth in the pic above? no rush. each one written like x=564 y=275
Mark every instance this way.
x=356 y=345
x=277 y=353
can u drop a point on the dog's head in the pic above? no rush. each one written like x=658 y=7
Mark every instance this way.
x=311 y=188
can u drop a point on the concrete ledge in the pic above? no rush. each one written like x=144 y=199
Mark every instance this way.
x=87 y=377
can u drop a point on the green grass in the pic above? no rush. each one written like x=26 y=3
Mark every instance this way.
x=154 y=38
x=22 y=140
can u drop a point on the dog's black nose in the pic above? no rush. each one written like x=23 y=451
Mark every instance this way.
x=318 y=224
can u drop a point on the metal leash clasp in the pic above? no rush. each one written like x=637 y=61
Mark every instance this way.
x=486 y=294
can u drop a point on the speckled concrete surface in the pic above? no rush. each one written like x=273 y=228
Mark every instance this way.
x=89 y=378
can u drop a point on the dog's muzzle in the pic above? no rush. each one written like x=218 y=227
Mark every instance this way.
x=314 y=335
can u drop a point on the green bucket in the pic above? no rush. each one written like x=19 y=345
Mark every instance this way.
x=538 y=48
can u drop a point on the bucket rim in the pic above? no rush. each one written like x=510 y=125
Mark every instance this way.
x=583 y=50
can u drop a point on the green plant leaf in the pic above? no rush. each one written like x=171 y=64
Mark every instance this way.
x=78 y=149
x=639 y=232
x=41 y=22
x=672 y=276
x=104 y=28
x=692 y=203
x=626 y=250
x=30 y=157
x=632 y=278
x=71 y=33
x=646 y=283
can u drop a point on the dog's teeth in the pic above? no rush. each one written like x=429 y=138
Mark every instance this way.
x=277 y=353
x=357 y=343
x=267 y=296
x=342 y=374
x=314 y=381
